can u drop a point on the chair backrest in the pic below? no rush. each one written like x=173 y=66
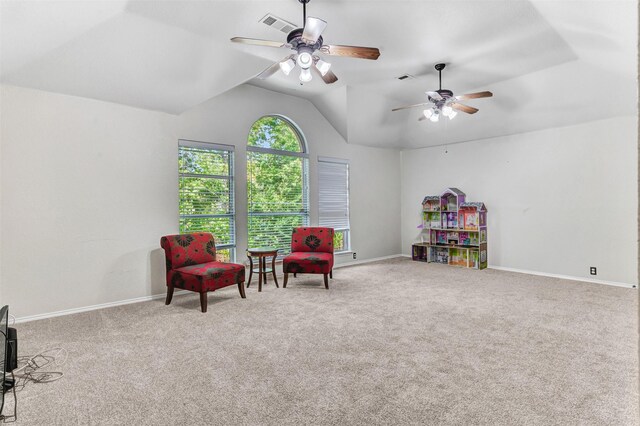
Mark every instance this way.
x=188 y=249
x=309 y=238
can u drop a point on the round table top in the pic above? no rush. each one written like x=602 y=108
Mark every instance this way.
x=263 y=250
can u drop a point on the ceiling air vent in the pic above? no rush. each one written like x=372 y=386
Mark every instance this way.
x=278 y=23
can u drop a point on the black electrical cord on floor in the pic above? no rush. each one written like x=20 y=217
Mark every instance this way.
x=35 y=369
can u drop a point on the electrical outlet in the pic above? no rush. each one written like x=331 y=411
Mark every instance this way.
x=354 y=254
x=593 y=270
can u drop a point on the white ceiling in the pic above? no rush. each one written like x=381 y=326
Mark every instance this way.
x=548 y=63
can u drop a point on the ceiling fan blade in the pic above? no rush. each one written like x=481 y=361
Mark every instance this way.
x=272 y=69
x=463 y=108
x=313 y=27
x=434 y=95
x=359 y=52
x=410 y=106
x=422 y=118
x=328 y=78
x=476 y=95
x=259 y=42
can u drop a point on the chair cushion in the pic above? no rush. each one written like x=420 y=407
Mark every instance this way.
x=312 y=239
x=308 y=262
x=206 y=276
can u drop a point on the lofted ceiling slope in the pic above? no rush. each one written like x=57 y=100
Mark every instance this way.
x=548 y=63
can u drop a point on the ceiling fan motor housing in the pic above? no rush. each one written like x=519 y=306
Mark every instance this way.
x=446 y=94
x=295 y=40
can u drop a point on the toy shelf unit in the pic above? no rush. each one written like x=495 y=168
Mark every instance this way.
x=454 y=232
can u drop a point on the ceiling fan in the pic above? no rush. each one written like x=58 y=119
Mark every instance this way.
x=444 y=103
x=305 y=42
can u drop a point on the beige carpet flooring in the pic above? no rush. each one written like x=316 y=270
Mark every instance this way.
x=392 y=342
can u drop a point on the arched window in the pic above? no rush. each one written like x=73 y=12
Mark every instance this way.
x=277 y=182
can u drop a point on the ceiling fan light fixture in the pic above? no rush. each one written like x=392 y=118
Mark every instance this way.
x=452 y=114
x=427 y=113
x=287 y=66
x=323 y=66
x=305 y=59
x=305 y=75
x=435 y=117
x=447 y=110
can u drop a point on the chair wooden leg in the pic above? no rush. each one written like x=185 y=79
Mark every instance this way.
x=286 y=277
x=295 y=274
x=326 y=281
x=331 y=274
x=241 y=288
x=203 y=301
x=169 y=295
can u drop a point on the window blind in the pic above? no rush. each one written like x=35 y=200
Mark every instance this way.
x=277 y=198
x=206 y=192
x=333 y=199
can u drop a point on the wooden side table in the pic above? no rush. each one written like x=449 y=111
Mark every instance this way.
x=261 y=254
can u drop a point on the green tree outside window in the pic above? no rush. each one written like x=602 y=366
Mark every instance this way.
x=276 y=183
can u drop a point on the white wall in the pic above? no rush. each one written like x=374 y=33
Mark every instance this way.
x=374 y=172
x=89 y=187
x=559 y=200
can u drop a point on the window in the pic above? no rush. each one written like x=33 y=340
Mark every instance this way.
x=277 y=182
x=206 y=193
x=333 y=189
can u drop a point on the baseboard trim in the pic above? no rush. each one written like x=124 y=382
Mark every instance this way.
x=152 y=297
x=342 y=265
x=360 y=262
x=562 y=277
x=96 y=307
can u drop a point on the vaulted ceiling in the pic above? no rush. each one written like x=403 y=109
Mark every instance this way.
x=548 y=63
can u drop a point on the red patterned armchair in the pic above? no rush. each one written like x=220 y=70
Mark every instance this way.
x=191 y=265
x=311 y=253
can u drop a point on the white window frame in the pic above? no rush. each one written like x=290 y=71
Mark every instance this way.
x=329 y=218
x=231 y=246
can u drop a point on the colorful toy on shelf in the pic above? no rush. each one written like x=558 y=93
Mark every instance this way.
x=472 y=216
x=431 y=212
x=454 y=231
x=450 y=199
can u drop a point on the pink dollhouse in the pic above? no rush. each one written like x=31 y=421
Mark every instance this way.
x=456 y=231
